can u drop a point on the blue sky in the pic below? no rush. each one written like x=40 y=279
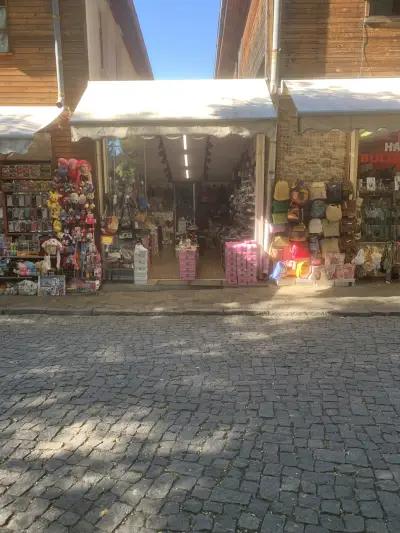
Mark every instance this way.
x=180 y=36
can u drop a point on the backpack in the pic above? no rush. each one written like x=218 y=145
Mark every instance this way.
x=348 y=226
x=300 y=250
x=281 y=191
x=331 y=229
x=334 y=192
x=318 y=209
x=298 y=233
x=303 y=270
x=315 y=226
x=313 y=242
x=347 y=190
x=279 y=218
x=334 y=212
x=349 y=208
x=300 y=194
x=318 y=191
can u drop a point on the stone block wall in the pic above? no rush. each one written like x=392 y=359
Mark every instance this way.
x=312 y=155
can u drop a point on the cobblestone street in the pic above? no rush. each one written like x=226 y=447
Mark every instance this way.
x=219 y=424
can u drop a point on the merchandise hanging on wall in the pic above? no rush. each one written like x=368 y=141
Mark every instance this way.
x=314 y=232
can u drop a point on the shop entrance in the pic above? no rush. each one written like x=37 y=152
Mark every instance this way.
x=179 y=196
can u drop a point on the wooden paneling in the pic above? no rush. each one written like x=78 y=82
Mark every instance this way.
x=75 y=56
x=329 y=38
x=27 y=74
x=252 y=49
x=231 y=26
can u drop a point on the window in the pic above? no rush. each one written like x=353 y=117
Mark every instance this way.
x=4 y=47
x=384 y=8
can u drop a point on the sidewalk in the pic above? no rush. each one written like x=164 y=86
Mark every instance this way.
x=119 y=299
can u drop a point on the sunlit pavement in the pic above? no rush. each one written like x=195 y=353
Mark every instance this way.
x=200 y=423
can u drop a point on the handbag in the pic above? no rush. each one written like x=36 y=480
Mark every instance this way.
x=334 y=212
x=294 y=214
x=280 y=207
x=348 y=225
x=281 y=191
x=330 y=229
x=318 y=190
x=279 y=218
x=347 y=190
x=334 y=192
x=330 y=245
x=278 y=228
x=349 y=208
x=300 y=194
x=298 y=232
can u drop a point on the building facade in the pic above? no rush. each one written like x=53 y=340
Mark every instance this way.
x=316 y=39
x=50 y=49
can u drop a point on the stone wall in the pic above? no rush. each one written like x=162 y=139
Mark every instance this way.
x=311 y=156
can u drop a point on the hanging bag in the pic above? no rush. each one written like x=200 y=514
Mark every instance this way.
x=334 y=212
x=318 y=209
x=330 y=229
x=281 y=191
x=349 y=208
x=298 y=233
x=318 y=190
x=315 y=226
x=294 y=214
x=280 y=207
x=300 y=194
x=347 y=190
x=334 y=192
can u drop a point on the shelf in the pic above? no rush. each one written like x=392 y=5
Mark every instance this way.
x=4 y=278
x=26 y=179
x=22 y=257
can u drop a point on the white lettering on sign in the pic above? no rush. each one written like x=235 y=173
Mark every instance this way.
x=392 y=147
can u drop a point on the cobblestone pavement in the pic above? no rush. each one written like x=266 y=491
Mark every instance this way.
x=199 y=424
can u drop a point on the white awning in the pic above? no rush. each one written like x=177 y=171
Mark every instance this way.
x=346 y=104
x=158 y=107
x=18 y=125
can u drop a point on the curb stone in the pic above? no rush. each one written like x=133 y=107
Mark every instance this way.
x=267 y=313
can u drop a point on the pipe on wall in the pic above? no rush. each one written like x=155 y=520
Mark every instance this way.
x=58 y=52
x=275 y=47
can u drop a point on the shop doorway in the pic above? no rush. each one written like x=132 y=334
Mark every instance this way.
x=173 y=193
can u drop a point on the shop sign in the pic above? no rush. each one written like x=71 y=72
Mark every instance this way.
x=388 y=158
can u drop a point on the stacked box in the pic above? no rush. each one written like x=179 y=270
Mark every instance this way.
x=141 y=264
x=230 y=263
x=241 y=260
x=188 y=263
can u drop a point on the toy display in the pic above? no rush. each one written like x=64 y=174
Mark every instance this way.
x=72 y=210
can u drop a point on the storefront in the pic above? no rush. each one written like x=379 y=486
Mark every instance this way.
x=344 y=228
x=184 y=175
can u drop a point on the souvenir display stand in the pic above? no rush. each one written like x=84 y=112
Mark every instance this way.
x=25 y=225
x=72 y=209
x=379 y=249
x=314 y=232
